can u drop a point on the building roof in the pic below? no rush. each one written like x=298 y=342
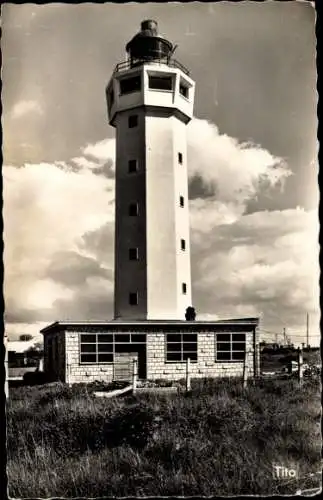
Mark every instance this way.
x=114 y=323
x=21 y=346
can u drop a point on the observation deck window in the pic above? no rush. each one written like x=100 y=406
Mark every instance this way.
x=128 y=85
x=160 y=82
x=183 y=90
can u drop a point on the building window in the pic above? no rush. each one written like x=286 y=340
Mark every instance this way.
x=184 y=288
x=133 y=254
x=180 y=346
x=132 y=166
x=183 y=90
x=133 y=298
x=181 y=201
x=180 y=158
x=160 y=82
x=128 y=85
x=183 y=244
x=95 y=348
x=133 y=209
x=230 y=346
x=101 y=347
x=133 y=121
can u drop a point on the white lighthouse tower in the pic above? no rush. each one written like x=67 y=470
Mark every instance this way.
x=150 y=101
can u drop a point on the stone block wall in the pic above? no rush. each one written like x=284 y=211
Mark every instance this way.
x=69 y=369
x=77 y=373
x=206 y=366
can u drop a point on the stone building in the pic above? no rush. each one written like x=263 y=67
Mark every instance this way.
x=150 y=100
x=85 y=352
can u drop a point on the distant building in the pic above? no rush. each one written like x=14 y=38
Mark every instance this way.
x=266 y=346
x=150 y=100
x=22 y=352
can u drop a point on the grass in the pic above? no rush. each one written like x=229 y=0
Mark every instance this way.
x=220 y=439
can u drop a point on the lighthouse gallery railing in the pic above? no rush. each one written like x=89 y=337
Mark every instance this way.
x=173 y=63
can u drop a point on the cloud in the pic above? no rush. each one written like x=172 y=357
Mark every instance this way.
x=101 y=151
x=59 y=235
x=47 y=209
x=14 y=330
x=72 y=269
x=236 y=169
x=93 y=301
x=24 y=107
x=265 y=262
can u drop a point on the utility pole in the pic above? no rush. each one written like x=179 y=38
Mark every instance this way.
x=307 y=330
x=284 y=331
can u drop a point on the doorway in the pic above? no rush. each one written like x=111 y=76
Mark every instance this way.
x=123 y=361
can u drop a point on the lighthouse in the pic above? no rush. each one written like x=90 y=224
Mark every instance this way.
x=154 y=334
x=150 y=99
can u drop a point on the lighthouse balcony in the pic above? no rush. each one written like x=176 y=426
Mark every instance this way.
x=134 y=63
x=152 y=85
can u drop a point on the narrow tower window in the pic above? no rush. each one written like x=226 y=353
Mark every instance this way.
x=133 y=209
x=133 y=298
x=180 y=158
x=184 y=288
x=132 y=166
x=133 y=121
x=183 y=244
x=133 y=254
x=181 y=201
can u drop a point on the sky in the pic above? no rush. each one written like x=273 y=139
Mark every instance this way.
x=252 y=156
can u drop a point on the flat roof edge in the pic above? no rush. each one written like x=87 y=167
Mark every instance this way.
x=65 y=324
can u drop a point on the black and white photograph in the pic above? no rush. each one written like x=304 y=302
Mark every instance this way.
x=161 y=249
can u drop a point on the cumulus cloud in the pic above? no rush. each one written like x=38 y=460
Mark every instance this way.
x=24 y=107
x=47 y=209
x=59 y=234
x=265 y=262
x=236 y=169
x=236 y=172
x=101 y=151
